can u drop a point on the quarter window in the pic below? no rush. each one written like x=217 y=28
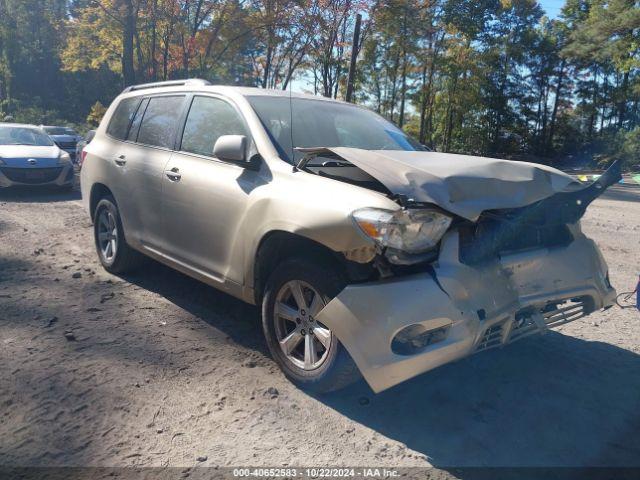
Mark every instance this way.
x=121 y=119
x=159 y=121
x=209 y=118
x=135 y=124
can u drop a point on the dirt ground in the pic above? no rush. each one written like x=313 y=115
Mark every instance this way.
x=156 y=369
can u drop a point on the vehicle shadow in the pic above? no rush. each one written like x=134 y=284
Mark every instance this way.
x=238 y=320
x=553 y=400
x=25 y=194
x=546 y=401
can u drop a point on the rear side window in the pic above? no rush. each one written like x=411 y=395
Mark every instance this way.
x=209 y=118
x=135 y=124
x=121 y=119
x=159 y=121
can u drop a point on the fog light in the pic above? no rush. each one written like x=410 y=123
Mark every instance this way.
x=415 y=338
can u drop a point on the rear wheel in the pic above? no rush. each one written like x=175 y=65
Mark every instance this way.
x=114 y=253
x=307 y=351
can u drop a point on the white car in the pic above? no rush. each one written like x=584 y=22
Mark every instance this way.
x=29 y=157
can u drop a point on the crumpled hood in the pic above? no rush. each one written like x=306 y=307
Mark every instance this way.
x=461 y=184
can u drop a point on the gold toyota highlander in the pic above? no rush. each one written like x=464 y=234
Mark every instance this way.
x=369 y=254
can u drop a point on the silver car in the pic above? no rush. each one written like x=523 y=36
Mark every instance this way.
x=65 y=137
x=368 y=254
x=29 y=157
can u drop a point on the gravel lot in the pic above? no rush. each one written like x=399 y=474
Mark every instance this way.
x=156 y=369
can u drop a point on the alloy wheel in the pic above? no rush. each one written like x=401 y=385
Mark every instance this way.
x=304 y=341
x=107 y=234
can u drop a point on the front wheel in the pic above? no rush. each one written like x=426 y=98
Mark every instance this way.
x=308 y=352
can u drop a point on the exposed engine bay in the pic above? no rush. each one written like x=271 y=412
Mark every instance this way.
x=483 y=234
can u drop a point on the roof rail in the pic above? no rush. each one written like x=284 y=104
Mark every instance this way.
x=168 y=83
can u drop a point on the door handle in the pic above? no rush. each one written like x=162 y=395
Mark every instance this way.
x=173 y=174
x=120 y=160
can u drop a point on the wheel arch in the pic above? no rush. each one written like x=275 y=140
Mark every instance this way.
x=277 y=246
x=98 y=192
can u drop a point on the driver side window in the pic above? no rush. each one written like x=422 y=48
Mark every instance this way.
x=208 y=119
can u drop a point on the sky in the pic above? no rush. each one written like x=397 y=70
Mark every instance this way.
x=552 y=7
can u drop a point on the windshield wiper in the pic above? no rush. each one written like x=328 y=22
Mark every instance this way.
x=314 y=152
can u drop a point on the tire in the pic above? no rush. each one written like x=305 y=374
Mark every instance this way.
x=335 y=368
x=124 y=258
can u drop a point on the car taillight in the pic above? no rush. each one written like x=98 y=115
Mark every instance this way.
x=83 y=155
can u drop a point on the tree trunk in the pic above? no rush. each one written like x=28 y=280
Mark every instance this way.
x=554 y=112
x=403 y=82
x=622 y=104
x=449 y=116
x=423 y=104
x=592 y=117
x=394 y=86
x=403 y=90
x=267 y=66
x=142 y=74
x=128 y=33
x=154 y=42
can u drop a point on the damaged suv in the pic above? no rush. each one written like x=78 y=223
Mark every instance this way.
x=367 y=253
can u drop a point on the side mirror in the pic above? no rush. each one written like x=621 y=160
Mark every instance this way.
x=231 y=148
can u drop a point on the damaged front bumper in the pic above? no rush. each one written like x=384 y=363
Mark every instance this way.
x=401 y=327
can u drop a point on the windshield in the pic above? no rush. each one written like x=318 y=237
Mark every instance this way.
x=24 y=136
x=59 y=131
x=318 y=123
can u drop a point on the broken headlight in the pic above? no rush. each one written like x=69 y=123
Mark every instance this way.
x=412 y=231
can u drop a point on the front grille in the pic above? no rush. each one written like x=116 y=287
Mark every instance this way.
x=524 y=324
x=492 y=337
x=531 y=320
x=561 y=313
x=66 y=145
x=31 y=175
x=501 y=234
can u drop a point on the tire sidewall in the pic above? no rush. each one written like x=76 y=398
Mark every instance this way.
x=328 y=284
x=108 y=203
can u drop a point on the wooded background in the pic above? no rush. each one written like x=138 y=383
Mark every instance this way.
x=491 y=77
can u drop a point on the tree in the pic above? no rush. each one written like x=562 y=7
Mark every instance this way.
x=489 y=77
x=95 y=115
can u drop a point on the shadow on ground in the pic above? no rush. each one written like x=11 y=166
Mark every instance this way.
x=238 y=320
x=546 y=401
x=550 y=401
x=26 y=194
